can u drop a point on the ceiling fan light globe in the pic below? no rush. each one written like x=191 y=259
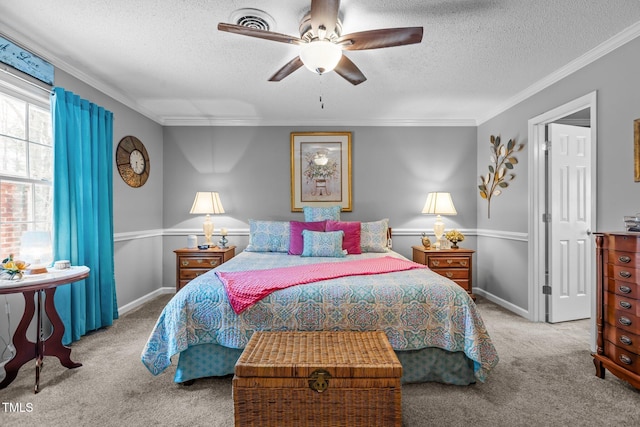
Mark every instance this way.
x=320 y=56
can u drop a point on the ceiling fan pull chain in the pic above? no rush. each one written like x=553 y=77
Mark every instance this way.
x=321 y=102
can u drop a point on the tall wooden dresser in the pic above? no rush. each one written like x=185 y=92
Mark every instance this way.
x=618 y=306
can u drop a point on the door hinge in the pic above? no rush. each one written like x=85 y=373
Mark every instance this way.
x=546 y=217
x=546 y=290
x=546 y=146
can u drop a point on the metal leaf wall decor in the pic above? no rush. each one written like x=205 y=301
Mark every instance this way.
x=498 y=177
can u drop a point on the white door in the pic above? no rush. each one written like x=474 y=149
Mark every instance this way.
x=570 y=247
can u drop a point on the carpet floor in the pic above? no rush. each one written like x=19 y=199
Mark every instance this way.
x=545 y=377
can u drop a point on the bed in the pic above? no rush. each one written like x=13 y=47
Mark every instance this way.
x=432 y=323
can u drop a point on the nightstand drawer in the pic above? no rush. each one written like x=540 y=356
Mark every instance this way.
x=191 y=263
x=192 y=273
x=448 y=262
x=454 y=264
x=452 y=273
x=200 y=262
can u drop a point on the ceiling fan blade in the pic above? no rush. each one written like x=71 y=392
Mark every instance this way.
x=324 y=13
x=375 y=39
x=348 y=70
x=289 y=68
x=261 y=34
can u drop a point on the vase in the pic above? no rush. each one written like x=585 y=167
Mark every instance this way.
x=454 y=244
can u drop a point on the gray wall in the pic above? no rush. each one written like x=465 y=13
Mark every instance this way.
x=393 y=169
x=502 y=263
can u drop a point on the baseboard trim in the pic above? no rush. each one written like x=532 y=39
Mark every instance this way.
x=146 y=298
x=502 y=303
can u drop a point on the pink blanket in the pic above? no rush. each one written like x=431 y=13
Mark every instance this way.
x=245 y=288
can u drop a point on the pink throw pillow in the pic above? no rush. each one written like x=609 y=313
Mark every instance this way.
x=296 y=244
x=351 y=240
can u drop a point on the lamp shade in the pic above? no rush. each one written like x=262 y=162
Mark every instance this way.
x=35 y=248
x=439 y=203
x=320 y=56
x=207 y=202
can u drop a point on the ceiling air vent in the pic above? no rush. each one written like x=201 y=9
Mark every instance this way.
x=253 y=18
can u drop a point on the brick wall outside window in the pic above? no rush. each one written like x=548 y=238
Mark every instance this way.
x=26 y=169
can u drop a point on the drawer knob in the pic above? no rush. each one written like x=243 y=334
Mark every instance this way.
x=625 y=340
x=624 y=321
x=625 y=304
x=449 y=274
x=463 y=263
x=185 y=263
x=625 y=259
x=625 y=359
x=435 y=262
x=214 y=262
x=449 y=261
x=624 y=289
x=625 y=274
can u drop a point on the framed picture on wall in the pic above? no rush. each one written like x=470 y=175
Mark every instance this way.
x=320 y=169
x=636 y=150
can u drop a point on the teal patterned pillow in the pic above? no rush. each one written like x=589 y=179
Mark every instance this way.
x=268 y=236
x=318 y=243
x=373 y=236
x=314 y=213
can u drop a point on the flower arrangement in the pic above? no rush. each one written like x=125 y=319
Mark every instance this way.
x=12 y=269
x=454 y=236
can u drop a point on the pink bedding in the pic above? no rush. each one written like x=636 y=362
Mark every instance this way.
x=245 y=288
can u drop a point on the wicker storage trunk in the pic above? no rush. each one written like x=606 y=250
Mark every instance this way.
x=318 y=379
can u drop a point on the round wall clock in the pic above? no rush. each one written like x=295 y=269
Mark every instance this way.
x=132 y=160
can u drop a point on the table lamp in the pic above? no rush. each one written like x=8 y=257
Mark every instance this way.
x=36 y=250
x=207 y=202
x=439 y=203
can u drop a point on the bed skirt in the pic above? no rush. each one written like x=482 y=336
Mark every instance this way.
x=426 y=365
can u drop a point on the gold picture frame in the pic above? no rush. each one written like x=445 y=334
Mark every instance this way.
x=636 y=150
x=320 y=170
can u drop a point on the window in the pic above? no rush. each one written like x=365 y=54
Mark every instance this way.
x=26 y=168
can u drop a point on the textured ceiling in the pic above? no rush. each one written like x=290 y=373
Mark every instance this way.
x=167 y=59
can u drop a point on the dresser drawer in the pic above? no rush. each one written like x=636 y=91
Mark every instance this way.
x=623 y=258
x=623 y=339
x=618 y=287
x=624 y=273
x=624 y=243
x=622 y=319
x=622 y=303
x=622 y=357
x=448 y=262
x=208 y=262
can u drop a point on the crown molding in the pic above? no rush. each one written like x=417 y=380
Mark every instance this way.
x=256 y=121
x=593 y=55
x=58 y=63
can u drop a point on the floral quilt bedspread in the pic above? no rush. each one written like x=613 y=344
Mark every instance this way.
x=416 y=308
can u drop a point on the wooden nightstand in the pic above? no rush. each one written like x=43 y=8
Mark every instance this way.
x=455 y=264
x=191 y=263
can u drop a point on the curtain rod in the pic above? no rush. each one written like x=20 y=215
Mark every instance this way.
x=5 y=70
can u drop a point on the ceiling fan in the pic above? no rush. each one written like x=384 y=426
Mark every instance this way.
x=321 y=43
